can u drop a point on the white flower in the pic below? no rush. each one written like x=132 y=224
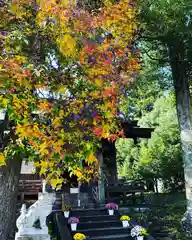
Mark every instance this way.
x=135 y=232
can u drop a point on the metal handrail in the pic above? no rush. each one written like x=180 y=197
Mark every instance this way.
x=61 y=227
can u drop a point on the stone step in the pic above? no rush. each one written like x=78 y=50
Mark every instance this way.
x=89 y=212
x=80 y=209
x=92 y=232
x=97 y=224
x=96 y=218
x=115 y=237
x=89 y=204
x=94 y=225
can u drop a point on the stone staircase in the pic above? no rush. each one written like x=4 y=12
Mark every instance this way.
x=96 y=224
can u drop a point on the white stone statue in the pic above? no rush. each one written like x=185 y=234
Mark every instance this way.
x=39 y=210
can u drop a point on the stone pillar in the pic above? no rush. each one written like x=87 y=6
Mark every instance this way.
x=101 y=184
x=160 y=186
x=186 y=140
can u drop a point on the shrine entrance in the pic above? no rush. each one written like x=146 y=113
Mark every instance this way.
x=104 y=190
x=107 y=160
x=108 y=186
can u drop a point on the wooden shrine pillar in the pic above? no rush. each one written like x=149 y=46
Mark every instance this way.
x=109 y=161
x=101 y=183
x=108 y=167
x=107 y=156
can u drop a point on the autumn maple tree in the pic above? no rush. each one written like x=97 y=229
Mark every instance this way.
x=64 y=71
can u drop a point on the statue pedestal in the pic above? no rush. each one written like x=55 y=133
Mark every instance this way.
x=32 y=234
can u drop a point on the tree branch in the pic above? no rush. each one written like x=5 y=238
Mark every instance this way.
x=156 y=59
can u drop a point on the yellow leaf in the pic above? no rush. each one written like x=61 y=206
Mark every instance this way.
x=91 y=158
x=61 y=113
x=62 y=89
x=43 y=164
x=66 y=3
x=108 y=115
x=79 y=174
x=43 y=171
x=36 y=164
x=67 y=45
x=94 y=94
x=2 y=160
x=5 y=102
x=21 y=58
x=84 y=94
x=56 y=181
x=56 y=122
x=58 y=186
x=57 y=148
x=43 y=149
x=99 y=82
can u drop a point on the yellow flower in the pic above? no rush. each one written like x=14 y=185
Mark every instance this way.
x=125 y=218
x=143 y=232
x=79 y=236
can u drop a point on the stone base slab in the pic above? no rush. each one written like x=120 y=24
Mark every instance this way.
x=32 y=236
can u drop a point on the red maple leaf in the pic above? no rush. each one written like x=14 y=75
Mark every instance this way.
x=107 y=62
x=90 y=49
x=108 y=92
x=110 y=56
x=97 y=131
x=98 y=118
x=113 y=137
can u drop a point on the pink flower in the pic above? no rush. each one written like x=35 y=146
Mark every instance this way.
x=73 y=220
x=112 y=206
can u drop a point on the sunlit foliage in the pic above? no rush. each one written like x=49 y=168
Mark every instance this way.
x=62 y=108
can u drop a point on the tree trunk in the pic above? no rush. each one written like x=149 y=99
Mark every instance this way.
x=181 y=85
x=9 y=181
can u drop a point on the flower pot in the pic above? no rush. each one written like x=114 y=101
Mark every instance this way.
x=111 y=211
x=140 y=238
x=125 y=223
x=73 y=226
x=74 y=190
x=66 y=214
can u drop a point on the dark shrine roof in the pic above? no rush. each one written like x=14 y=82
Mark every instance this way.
x=132 y=130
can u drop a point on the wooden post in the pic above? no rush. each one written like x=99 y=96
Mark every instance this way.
x=79 y=196
x=101 y=184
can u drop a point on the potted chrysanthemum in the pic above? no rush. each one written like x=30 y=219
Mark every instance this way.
x=111 y=208
x=138 y=232
x=73 y=221
x=125 y=220
x=79 y=236
x=66 y=210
